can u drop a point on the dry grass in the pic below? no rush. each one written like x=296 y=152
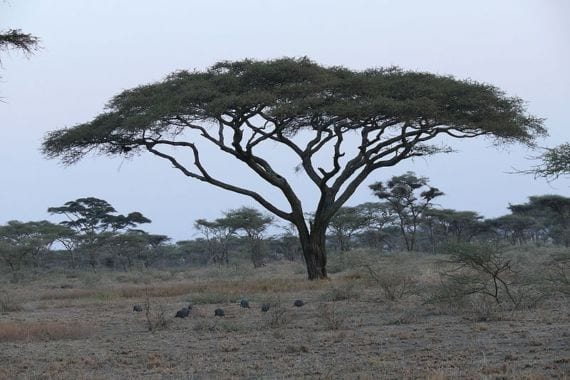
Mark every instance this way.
x=43 y=331
x=8 y=303
x=347 y=328
x=216 y=291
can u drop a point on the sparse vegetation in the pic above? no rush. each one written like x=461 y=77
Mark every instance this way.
x=277 y=316
x=344 y=315
x=394 y=283
x=8 y=303
x=331 y=316
x=155 y=315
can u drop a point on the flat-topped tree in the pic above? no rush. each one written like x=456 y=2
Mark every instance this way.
x=305 y=108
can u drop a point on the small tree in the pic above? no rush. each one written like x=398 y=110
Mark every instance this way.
x=381 y=219
x=451 y=226
x=217 y=234
x=253 y=224
x=94 y=220
x=480 y=269
x=550 y=214
x=345 y=224
x=28 y=241
x=289 y=244
x=409 y=196
x=132 y=247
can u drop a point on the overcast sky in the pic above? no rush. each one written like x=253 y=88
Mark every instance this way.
x=94 y=49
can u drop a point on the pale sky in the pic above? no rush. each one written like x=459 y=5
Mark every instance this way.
x=94 y=49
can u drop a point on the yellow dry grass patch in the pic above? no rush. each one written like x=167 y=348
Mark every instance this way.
x=43 y=331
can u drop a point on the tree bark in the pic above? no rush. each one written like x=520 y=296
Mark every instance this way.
x=314 y=252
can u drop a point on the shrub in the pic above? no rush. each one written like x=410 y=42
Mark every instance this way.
x=394 y=284
x=558 y=272
x=277 y=316
x=484 y=270
x=8 y=303
x=155 y=317
x=341 y=293
x=330 y=316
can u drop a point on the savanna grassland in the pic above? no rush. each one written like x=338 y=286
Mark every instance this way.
x=377 y=317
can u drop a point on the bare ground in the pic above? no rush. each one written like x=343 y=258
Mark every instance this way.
x=347 y=329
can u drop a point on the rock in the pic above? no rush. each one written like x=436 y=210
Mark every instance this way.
x=298 y=303
x=219 y=312
x=182 y=313
x=137 y=308
x=265 y=307
x=244 y=303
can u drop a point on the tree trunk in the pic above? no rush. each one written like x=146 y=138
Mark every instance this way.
x=313 y=246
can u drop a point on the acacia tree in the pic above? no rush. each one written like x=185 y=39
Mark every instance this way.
x=360 y=120
x=446 y=225
x=94 y=221
x=217 y=234
x=15 y=39
x=404 y=194
x=346 y=223
x=252 y=223
x=20 y=241
x=555 y=162
x=550 y=212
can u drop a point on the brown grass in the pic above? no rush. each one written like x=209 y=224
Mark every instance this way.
x=347 y=328
x=43 y=331
x=209 y=292
x=8 y=303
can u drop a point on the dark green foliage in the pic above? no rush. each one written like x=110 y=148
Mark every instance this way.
x=558 y=272
x=218 y=233
x=365 y=218
x=305 y=108
x=405 y=196
x=345 y=223
x=252 y=223
x=93 y=215
x=546 y=216
x=15 y=39
x=97 y=228
x=555 y=162
x=129 y=248
x=22 y=243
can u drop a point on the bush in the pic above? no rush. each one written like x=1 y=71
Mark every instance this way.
x=341 y=293
x=332 y=319
x=483 y=270
x=558 y=272
x=395 y=284
x=8 y=303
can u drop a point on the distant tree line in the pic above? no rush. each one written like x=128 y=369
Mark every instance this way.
x=94 y=235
